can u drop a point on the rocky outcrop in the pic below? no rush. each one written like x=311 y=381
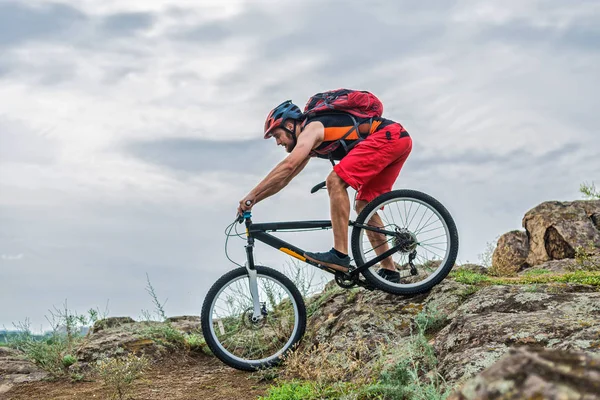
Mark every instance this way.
x=341 y=317
x=123 y=337
x=185 y=323
x=534 y=373
x=496 y=318
x=555 y=229
x=511 y=252
x=15 y=369
x=480 y=325
x=111 y=322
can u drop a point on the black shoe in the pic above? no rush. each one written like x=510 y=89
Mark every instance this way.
x=389 y=275
x=330 y=259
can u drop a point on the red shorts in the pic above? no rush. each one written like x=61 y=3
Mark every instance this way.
x=372 y=166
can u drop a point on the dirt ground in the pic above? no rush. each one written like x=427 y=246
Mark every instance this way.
x=200 y=377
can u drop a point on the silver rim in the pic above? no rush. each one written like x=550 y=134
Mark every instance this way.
x=229 y=311
x=421 y=222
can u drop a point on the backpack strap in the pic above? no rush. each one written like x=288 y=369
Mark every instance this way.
x=354 y=127
x=347 y=148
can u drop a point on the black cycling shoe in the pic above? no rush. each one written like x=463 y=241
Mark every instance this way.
x=330 y=259
x=389 y=275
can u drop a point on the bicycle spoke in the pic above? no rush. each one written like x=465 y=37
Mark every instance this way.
x=435 y=237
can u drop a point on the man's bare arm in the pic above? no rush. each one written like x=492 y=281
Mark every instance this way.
x=267 y=193
x=283 y=173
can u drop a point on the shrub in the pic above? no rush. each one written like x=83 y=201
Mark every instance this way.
x=119 y=374
x=325 y=363
x=54 y=352
x=586 y=258
x=430 y=320
x=589 y=191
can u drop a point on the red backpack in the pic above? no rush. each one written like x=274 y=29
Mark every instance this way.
x=361 y=104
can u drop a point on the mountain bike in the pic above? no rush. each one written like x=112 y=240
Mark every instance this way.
x=254 y=314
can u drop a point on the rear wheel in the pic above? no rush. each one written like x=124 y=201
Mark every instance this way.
x=248 y=343
x=423 y=228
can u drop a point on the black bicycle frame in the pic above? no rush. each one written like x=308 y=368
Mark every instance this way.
x=260 y=232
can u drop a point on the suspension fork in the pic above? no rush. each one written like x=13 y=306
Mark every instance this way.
x=252 y=276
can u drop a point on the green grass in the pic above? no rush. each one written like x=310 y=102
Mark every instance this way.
x=467 y=292
x=304 y=390
x=579 y=277
x=164 y=333
x=535 y=272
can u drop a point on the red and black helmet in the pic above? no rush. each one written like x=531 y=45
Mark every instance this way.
x=284 y=111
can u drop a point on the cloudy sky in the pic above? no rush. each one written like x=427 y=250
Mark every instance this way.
x=129 y=130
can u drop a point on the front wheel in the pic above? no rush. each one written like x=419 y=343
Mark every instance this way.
x=424 y=231
x=248 y=343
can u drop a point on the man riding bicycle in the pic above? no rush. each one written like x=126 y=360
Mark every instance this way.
x=371 y=152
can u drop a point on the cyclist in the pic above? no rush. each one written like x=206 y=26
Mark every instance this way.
x=370 y=167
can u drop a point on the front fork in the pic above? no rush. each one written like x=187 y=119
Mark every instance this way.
x=257 y=313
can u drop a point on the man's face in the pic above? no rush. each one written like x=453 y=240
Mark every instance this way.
x=284 y=139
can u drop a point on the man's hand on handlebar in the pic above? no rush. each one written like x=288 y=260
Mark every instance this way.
x=246 y=204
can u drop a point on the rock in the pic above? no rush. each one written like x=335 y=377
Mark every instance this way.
x=558 y=266
x=185 y=323
x=534 y=373
x=14 y=369
x=596 y=220
x=478 y=269
x=495 y=318
x=510 y=255
x=555 y=229
x=344 y=317
x=125 y=337
x=111 y=323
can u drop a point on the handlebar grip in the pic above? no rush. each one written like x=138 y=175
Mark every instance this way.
x=317 y=187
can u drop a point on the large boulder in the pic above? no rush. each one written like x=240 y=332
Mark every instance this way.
x=496 y=318
x=14 y=368
x=555 y=229
x=534 y=373
x=510 y=255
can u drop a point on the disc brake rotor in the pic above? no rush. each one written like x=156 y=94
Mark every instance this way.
x=250 y=322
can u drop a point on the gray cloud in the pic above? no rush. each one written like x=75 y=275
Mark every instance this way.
x=127 y=23
x=517 y=159
x=198 y=155
x=59 y=22
x=584 y=34
x=24 y=146
x=209 y=32
x=20 y=23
